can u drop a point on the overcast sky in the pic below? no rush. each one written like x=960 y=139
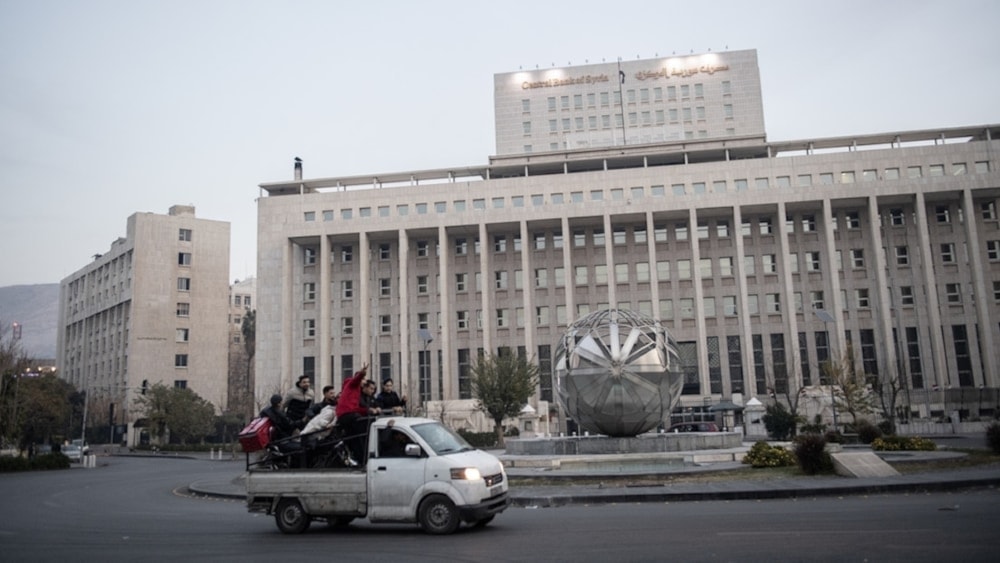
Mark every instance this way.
x=108 y=108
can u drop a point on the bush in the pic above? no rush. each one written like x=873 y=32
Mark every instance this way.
x=810 y=451
x=867 y=432
x=903 y=443
x=42 y=462
x=479 y=439
x=993 y=437
x=779 y=422
x=834 y=437
x=763 y=454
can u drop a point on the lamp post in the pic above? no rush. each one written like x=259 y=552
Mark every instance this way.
x=827 y=318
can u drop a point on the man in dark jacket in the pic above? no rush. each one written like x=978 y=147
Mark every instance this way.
x=299 y=399
x=282 y=427
x=389 y=401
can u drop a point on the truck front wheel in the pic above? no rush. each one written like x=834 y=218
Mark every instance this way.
x=438 y=515
x=290 y=517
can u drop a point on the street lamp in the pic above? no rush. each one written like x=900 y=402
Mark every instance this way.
x=827 y=318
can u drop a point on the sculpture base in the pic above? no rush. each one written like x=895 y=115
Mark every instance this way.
x=646 y=443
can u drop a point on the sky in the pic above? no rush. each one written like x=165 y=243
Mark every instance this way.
x=108 y=108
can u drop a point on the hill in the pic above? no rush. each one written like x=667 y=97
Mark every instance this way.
x=36 y=308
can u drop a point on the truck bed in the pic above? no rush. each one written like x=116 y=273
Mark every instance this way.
x=322 y=492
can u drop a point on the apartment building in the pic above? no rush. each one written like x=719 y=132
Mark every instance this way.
x=152 y=309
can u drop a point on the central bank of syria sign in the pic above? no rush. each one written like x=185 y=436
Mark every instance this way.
x=573 y=80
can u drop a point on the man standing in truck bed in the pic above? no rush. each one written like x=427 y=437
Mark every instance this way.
x=352 y=415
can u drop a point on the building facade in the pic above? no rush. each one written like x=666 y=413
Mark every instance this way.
x=763 y=259
x=153 y=309
x=668 y=99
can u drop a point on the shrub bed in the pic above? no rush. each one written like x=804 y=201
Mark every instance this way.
x=479 y=439
x=39 y=462
x=763 y=454
x=903 y=443
x=993 y=437
x=810 y=452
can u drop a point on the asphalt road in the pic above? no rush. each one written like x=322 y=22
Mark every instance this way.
x=134 y=509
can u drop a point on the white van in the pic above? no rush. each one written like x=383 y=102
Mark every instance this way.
x=417 y=471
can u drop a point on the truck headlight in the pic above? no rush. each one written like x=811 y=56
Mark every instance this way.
x=465 y=473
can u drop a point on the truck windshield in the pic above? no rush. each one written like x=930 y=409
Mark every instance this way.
x=441 y=439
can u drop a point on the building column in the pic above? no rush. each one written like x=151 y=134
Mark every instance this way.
x=699 y=306
x=940 y=374
x=324 y=375
x=609 y=262
x=883 y=310
x=746 y=330
x=447 y=317
x=528 y=299
x=486 y=294
x=567 y=256
x=288 y=262
x=407 y=328
x=990 y=363
x=366 y=330
x=793 y=361
x=833 y=268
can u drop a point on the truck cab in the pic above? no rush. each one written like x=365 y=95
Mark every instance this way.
x=417 y=471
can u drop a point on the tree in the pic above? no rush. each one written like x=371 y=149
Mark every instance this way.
x=851 y=390
x=502 y=385
x=780 y=422
x=13 y=363
x=45 y=408
x=179 y=411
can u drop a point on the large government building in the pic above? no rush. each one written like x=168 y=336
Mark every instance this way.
x=648 y=185
x=151 y=310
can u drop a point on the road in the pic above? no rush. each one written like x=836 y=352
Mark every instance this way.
x=134 y=509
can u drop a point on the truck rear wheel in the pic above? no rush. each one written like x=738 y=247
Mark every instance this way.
x=290 y=517
x=438 y=515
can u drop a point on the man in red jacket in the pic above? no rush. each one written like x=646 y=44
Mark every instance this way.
x=352 y=416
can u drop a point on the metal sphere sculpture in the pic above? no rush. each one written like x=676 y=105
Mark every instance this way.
x=617 y=372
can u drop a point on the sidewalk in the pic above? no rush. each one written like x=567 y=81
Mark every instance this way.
x=567 y=492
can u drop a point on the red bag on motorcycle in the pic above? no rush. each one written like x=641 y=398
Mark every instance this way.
x=256 y=435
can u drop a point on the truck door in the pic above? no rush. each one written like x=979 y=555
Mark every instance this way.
x=393 y=477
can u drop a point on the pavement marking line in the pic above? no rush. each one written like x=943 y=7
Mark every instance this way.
x=829 y=532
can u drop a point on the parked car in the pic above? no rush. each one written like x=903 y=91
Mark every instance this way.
x=693 y=427
x=84 y=447
x=73 y=452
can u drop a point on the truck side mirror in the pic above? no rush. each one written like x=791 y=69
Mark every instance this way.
x=412 y=450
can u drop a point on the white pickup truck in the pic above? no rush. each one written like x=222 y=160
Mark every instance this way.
x=417 y=471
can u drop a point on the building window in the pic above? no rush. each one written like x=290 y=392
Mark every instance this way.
x=812 y=262
x=462 y=320
x=184 y=284
x=500 y=243
x=580 y=275
x=183 y=309
x=461 y=247
x=861 y=297
x=948 y=253
x=422 y=249
x=857 y=258
x=896 y=217
x=500 y=279
x=769 y=263
x=347 y=326
x=309 y=216
x=309 y=291
x=942 y=214
x=902 y=256
x=680 y=231
x=773 y=302
x=541 y=277
x=642 y=272
x=184 y=235
x=346 y=254
x=180 y=360
x=384 y=252
x=183 y=258
x=309 y=328
x=422 y=285
x=853 y=220
x=621 y=273
x=993 y=250
x=906 y=295
x=347 y=289
x=461 y=282
x=816 y=299
x=183 y=334
x=953 y=293
x=539 y=239
x=385 y=323
x=989 y=211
